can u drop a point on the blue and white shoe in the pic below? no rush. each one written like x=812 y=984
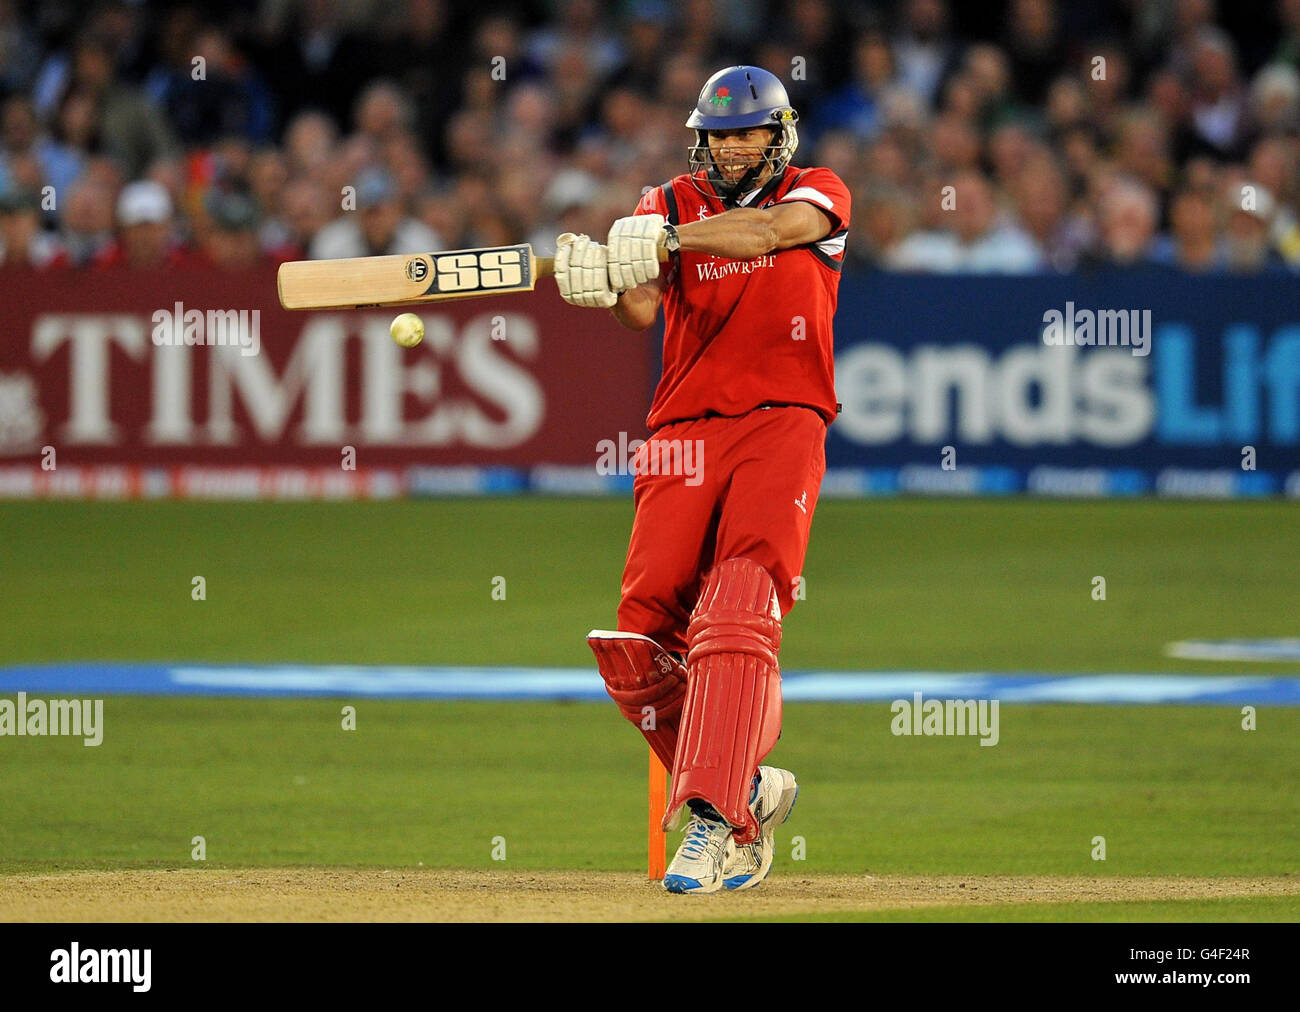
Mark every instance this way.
x=697 y=865
x=772 y=804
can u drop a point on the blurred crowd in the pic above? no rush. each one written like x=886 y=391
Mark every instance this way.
x=1015 y=137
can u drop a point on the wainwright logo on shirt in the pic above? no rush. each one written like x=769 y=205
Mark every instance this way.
x=716 y=270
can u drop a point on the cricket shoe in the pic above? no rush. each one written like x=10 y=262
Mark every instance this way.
x=772 y=803
x=697 y=866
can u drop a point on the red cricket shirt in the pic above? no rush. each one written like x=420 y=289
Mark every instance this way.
x=741 y=333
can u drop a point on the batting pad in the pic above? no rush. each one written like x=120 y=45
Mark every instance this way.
x=732 y=714
x=646 y=682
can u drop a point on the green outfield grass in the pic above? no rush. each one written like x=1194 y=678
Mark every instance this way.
x=891 y=584
x=955 y=585
x=1174 y=790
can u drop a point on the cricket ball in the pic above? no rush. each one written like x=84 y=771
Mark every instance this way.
x=407 y=330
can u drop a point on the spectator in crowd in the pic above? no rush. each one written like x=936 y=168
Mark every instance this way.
x=643 y=48
x=1066 y=106
x=1192 y=244
x=1105 y=71
x=1080 y=152
x=29 y=157
x=1142 y=150
x=20 y=50
x=377 y=227
x=579 y=35
x=989 y=74
x=22 y=243
x=1275 y=165
x=619 y=136
x=1170 y=103
x=698 y=35
x=174 y=176
x=310 y=141
x=1275 y=100
x=17 y=135
x=886 y=217
x=1042 y=203
x=1176 y=27
x=838 y=152
x=87 y=230
x=145 y=235
x=1218 y=99
x=22 y=171
x=75 y=139
x=304 y=209
x=313 y=57
x=499 y=46
x=924 y=51
x=132 y=131
x=954 y=144
x=1249 y=243
x=231 y=242
x=1033 y=43
x=425 y=62
x=974 y=241
x=1129 y=213
x=813 y=30
x=267 y=176
x=215 y=93
x=1009 y=149
x=857 y=106
x=441 y=210
x=383 y=114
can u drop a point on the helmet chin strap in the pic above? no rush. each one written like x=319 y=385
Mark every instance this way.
x=731 y=198
x=730 y=193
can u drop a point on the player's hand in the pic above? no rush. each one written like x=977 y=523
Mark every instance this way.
x=581 y=272
x=634 y=250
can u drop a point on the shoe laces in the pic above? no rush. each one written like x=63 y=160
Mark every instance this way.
x=697 y=836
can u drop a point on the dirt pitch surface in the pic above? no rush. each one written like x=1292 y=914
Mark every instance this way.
x=316 y=894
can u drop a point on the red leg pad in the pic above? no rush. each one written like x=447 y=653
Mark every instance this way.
x=639 y=673
x=732 y=714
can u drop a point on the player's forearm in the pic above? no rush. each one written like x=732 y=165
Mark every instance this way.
x=637 y=308
x=739 y=234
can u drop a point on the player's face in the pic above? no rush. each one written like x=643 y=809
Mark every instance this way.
x=735 y=152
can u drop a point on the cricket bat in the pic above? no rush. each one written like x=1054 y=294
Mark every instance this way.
x=365 y=282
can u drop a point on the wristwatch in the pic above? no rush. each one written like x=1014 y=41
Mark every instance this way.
x=671 y=241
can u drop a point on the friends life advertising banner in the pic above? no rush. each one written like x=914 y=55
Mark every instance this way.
x=1003 y=385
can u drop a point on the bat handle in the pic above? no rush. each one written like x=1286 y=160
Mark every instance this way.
x=544 y=267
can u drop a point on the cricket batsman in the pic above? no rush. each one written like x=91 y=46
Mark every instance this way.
x=749 y=288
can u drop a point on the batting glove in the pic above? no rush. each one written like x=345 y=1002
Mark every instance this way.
x=580 y=271
x=634 y=250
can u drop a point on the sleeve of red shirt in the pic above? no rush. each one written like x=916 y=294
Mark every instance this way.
x=825 y=191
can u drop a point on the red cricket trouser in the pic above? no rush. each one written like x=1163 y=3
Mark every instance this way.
x=750 y=493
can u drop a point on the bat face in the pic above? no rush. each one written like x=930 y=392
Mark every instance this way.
x=361 y=282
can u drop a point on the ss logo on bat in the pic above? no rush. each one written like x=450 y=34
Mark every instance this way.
x=495 y=268
x=417 y=269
